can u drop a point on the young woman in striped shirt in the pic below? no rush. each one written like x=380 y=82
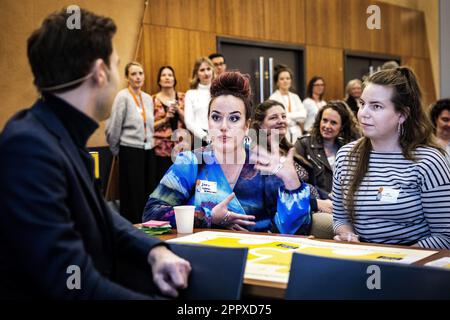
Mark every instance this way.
x=393 y=185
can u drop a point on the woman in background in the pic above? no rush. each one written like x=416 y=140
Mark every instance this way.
x=129 y=133
x=440 y=116
x=197 y=100
x=314 y=100
x=334 y=127
x=270 y=124
x=353 y=93
x=295 y=111
x=169 y=116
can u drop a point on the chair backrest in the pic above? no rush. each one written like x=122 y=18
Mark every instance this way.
x=217 y=272
x=319 y=278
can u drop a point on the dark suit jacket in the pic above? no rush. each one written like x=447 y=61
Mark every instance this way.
x=52 y=217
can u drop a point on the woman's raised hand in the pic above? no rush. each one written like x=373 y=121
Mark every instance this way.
x=274 y=163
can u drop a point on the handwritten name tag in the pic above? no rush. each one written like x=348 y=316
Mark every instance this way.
x=389 y=195
x=205 y=186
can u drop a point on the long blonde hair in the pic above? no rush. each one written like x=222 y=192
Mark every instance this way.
x=195 y=80
x=417 y=128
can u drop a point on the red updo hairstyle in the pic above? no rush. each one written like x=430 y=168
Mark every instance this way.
x=234 y=84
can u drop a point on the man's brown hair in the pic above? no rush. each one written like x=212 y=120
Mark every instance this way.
x=59 y=55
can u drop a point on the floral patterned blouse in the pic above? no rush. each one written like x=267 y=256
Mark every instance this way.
x=162 y=136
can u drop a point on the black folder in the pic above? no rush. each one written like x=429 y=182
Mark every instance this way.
x=217 y=272
x=319 y=278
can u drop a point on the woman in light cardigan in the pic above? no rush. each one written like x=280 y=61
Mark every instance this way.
x=197 y=100
x=129 y=133
x=295 y=111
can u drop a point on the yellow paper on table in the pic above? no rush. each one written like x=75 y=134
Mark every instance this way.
x=440 y=263
x=269 y=257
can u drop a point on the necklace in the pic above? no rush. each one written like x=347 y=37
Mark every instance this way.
x=232 y=180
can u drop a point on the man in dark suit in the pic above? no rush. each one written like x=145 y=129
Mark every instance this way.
x=58 y=238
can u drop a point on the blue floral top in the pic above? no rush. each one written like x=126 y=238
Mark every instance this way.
x=196 y=178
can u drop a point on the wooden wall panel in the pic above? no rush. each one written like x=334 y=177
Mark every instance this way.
x=422 y=68
x=329 y=64
x=176 y=47
x=285 y=20
x=18 y=19
x=414 y=42
x=242 y=18
x=185 y=14
x=360 y=38
x=324 y=25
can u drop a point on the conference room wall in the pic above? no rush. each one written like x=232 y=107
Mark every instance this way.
x=172 y=34
x=19 y=18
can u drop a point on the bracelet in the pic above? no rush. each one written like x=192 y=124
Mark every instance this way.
x=280 y=165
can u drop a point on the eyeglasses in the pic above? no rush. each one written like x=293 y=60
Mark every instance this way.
x=219 y=64
x=319 y=85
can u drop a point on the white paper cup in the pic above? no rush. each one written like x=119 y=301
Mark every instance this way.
x=184 y=217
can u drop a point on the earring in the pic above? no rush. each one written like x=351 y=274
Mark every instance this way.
x=400 y=129
x=247 y=140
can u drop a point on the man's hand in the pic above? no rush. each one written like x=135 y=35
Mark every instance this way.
x=170 y=272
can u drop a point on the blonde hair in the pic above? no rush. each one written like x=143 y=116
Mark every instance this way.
x=130 y=64
x=195 y=80
x=349 y=86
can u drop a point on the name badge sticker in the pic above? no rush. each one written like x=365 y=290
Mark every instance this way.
x=389 y=195
x=205 y=186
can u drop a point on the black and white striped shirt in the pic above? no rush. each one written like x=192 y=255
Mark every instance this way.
x=419 y=214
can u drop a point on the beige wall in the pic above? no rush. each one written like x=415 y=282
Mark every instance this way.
x=19 y=18
x=430 y=9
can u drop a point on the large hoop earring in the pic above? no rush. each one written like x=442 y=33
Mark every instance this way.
x=247 y=141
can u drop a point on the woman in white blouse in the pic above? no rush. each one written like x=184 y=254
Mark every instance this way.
x=295 y=111
x=197 y=99
x=314 y=100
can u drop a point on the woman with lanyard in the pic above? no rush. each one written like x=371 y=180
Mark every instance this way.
x=169 y=109
x=129 y=132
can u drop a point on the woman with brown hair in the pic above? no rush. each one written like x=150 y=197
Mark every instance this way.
x=270 y=124
x=393 y=185
x=440 y=116
x=230 y=185
x=169 y=116
x=334 y=127
x=314 y=100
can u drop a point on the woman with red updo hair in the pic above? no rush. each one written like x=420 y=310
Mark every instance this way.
x=230 y=185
